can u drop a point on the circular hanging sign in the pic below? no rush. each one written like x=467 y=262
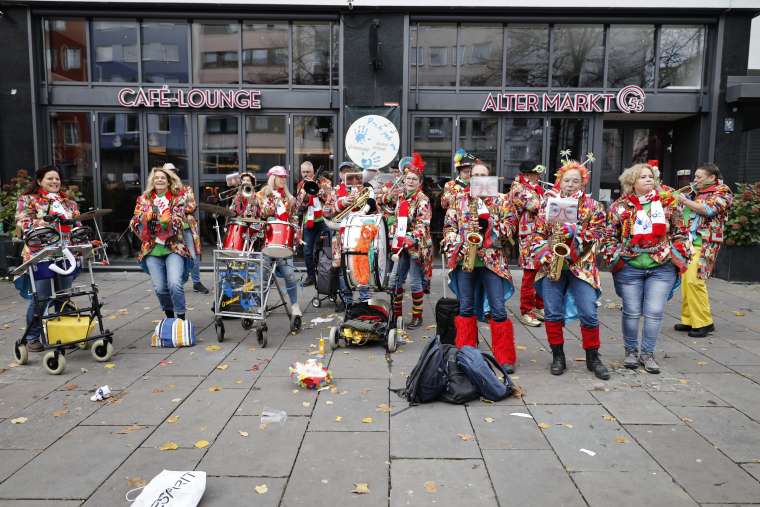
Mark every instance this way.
x=372 y=142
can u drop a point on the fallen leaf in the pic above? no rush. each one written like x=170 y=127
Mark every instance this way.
x=518 y=391
x=683 y=381
x=701 y=363
x=568 y=426
x=687 y=419
x=112 y=317
x=200 y=444
x=136 y=482
x=173 y=419
x=157 y=391
x=243 y=433
x=222 y=367
x=608 y=418
x=465 y=436
x=329 y=402
x=306 y=404
x=489 y=419
x=123 y=311
x=261 y=489
x=620 y=440
x=431 y=326
x=19 y=420
x=544 y=426
x=383 y=407
x=70 y=387
x=155 y=321
x=366 y=391
x=431 y=487
x=110 y=366
x=296 y=391
x=169 y=446
x=580 y=359
x=360 y=488
x=60 y=413
x=522 y=347
x=129 y=429
x=213 y=348
x=367 y=420
x=214 y=389
x=338 y=418
x=739 y=313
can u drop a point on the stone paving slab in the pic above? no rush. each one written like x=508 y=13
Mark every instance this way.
x=741 y=393
x=121 y=371
x=12 y=460
x=688 y=398
x=15 y=396
x=631 y=489
x=356 y=402
x=440 y=482
x=635 y=407
x=727 y=429
x=360 y=362
x=496 y=429
x=241 y=492
x=433 y=431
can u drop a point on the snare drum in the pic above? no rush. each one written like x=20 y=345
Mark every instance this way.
x=237 y=234
x=372 y=266
x=280 y=237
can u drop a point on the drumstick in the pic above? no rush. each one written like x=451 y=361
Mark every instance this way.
x=395 y=256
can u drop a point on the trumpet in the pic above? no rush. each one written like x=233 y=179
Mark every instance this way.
x=560 y=251
x=246 y=190
x=358 y=203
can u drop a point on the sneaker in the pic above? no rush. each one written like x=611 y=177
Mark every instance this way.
x=415 y=323
x=34 y=346
x=631 y=360
x=530 y=320
x=199 y=287
x=647 y=361
x=538 y=313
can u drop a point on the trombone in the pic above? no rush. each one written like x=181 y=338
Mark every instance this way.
x=246 y=190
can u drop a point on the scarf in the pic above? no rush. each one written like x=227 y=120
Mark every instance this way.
x=402 y=221
x=314 y=212
x=648 y=228
x=280 y=208
x=162 y=212
x=56 y=208
x=536 y=187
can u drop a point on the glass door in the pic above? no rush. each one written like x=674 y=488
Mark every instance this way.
x=313 y=140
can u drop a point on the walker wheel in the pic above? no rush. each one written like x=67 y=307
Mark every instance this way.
x=21 y=353
x=54 y=362
x=261 y=337
x=315 y=302
x=400 y=323
x=391 y=343
x=295 y=324
x=333 y=338
x=101 y=350
x=247 y=324
x=219 y=327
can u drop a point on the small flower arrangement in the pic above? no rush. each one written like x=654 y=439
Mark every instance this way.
x=9 y=194
x=743 y=224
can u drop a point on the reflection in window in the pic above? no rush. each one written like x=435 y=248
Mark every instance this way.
x=114 y=46
x=437 y=42
x=527 y=55
x=72 y=151
x=432 y=138
x=578 y=56
x=314 y=140
x=612 y=163
x=480 y=55
x=164 y=52
x=66 y=49
x=215 y=52
x=311 y=54
x=479 y=136
x=631 y=56
x=266 y=142
x=681 y=55
x=567 y=134
x=119 y=169
x=523 y=144
x=335 y=72
x=168 y=142
x=219 y=143
x=265 y=53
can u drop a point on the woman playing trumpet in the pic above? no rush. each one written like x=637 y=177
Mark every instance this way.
x=568 y=279
x=245 y=204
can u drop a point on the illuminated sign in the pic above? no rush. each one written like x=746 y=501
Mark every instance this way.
x=630 y=99
x=197 y=98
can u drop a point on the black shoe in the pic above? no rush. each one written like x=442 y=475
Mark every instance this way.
x=181 y=316
x=559 y=365
x=169 y=314
x=34 y=346
x=415 y=323
x=199 y=287
x=309 y=281
x=701 y=332
x=594 y=364
x=510 y=369
x=682 y=327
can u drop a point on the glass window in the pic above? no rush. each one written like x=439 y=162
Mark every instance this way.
x=435 y=41
x=753 y=62
x=480 y=55
x=432 y=138
x=266 y=144
x=479 y=136
x=523 y=144
x=119 y=169
x=578 y=56
x=612 y=163
x=66 y=49
x=114 y=51
x=631 y=56
x=164 y=52
x=311 y=54
x=335 y=54
x=527 y=55
x=72 y=152
x=215 y=52
x=314 y=140
x=265 y=53
x=414 y=56
x=219 y=142
x=168 y=142
x=567 y=134
x=681 y=54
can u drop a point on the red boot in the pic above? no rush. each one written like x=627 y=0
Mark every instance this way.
x=503 y=344
x=467 y=331
x=554 y=332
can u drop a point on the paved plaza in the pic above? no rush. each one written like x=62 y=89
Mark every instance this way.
x=689 y=436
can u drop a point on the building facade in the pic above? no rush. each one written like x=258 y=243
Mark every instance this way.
x=108 y=90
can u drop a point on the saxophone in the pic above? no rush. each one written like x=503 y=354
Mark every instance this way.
x=473 y=239
x=560 y=251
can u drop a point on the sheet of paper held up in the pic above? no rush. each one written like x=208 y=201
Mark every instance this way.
x=561 y=210
x=484 y=186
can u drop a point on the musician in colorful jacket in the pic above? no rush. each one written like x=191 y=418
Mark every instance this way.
x=577 y=289
x=706 y=212
x=242 y=206
x=311 y=197
x=42 y=205
x=494 y=219
x=159 y=218
x=276 y=203
x=647 y=246
x=463 y=162
x=526 y=194
x=410 y=240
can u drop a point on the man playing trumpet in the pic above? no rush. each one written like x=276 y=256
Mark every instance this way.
x=311 y=196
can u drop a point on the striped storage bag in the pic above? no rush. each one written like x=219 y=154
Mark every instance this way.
x=173 y=333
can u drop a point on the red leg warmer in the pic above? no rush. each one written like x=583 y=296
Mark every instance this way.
x=467 y=331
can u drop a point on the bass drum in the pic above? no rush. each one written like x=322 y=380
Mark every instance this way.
x=365 y=251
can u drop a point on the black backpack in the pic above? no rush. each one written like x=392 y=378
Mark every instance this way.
x=446 y=309
x=459 y=387
x=427 y=380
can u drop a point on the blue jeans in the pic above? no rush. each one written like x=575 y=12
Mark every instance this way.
x=406 y=265
x=284 y=269
x=195 y=273
x=167 y=274
x=310 y=240
x=644 y=291
x=583 y=293
x=494 y=290
x=348 y=294
x=44 y=292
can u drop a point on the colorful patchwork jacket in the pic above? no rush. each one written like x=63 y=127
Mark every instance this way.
x=337 y=202
x=418 y=228
x=149 y=225
x=527 y=203
x=269 y=207
x=718 y=199
x=673 y=247
x=451 y=192
x=32 y=209
x=502 y=224
x=190 y=206
x=245 y=207
x=583 y=239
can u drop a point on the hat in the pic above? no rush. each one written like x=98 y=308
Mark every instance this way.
x=345 y=165
x=250 y=175
x=169 y=167
x=277 y=170
x=404 y=162
x=463 y=158
x=416 y=165
x=536 y=169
